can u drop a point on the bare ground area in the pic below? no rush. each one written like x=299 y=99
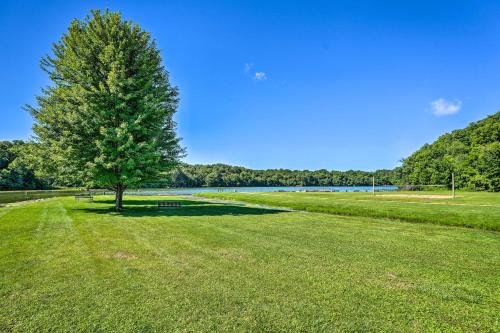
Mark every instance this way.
x=422 y=196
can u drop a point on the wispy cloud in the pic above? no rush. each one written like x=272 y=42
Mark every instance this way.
x=248 y=68
x=442 y=107
x=260 y=76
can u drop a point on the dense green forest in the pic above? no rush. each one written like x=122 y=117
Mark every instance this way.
x=472 y=153
x=226 y=175
x=15 y=173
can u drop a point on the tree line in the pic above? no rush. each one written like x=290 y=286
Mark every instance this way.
x=18 y=170
x=472 y=153
x=221 y=175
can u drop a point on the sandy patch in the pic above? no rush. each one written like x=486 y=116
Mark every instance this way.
x=23 y=202
x=124 y=255
x=422 y=196
x=393 y=281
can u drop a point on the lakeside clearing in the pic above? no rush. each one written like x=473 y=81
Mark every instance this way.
x=69 y=266
x=469 y=209
x=25 y=195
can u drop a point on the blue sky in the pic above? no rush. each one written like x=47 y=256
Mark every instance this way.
x=297 y=84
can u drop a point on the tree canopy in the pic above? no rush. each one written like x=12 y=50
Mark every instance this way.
x=472 y=153
x=15 y=174
x=106 y=119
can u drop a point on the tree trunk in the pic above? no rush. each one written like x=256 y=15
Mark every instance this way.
x=119 y=197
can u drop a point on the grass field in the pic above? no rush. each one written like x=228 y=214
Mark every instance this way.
x=207 y=267
x=470 y=209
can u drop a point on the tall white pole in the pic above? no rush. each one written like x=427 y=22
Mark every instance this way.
x=453 y=184
x=373 y=185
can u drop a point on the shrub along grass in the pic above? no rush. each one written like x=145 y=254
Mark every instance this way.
x=207 y=267
x=468 y=209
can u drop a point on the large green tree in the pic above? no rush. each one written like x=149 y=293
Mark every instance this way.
x=106 y=119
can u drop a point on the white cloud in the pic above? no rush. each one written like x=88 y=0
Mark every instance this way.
x=248 y=68
x=442 y=107
x=260 y=76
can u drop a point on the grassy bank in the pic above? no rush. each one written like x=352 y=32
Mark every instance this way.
x=69 y=266
x=469 y=209
x=16 y=196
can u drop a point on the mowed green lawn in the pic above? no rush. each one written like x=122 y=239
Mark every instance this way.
x=206 y=267
x=469 y=209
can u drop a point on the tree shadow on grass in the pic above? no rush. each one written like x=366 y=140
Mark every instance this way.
x=142 y=208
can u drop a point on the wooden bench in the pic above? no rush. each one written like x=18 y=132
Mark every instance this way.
x=168 y=204
x=84 y=196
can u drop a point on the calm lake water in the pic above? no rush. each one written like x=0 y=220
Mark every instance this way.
x=167 y=191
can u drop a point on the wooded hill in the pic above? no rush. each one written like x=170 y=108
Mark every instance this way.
x=472 y=154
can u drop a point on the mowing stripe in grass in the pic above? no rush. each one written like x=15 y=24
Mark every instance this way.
x=473 y=216
x=421 y=203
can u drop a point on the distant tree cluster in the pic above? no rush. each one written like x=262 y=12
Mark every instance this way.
x=15 y=173
x=221 y=175
x=472 y=153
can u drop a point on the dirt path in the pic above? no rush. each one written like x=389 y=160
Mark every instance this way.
x=423 y=196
